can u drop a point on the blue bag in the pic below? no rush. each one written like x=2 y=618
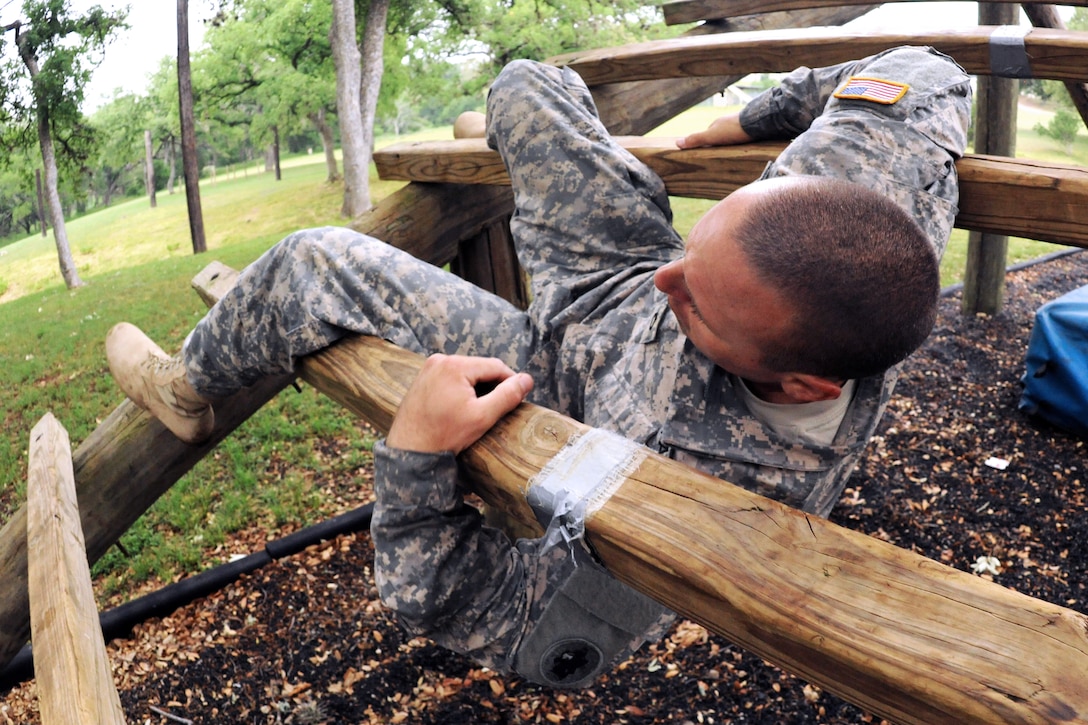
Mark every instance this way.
x=1056 y=376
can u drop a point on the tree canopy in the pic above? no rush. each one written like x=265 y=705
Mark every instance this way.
x=265 y=73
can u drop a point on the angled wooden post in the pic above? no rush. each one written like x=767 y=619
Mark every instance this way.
x=75 y=684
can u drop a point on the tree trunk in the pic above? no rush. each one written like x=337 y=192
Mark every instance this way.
x=276 y=152
x=49 y=163
x=353 y=137
x=149 y=169
x=172 y=160
x=373 y=43
x=190 y=164
x=52 y=195
x=41 y=201
x=322 y=125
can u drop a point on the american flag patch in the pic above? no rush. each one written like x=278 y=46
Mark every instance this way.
x=872 y=89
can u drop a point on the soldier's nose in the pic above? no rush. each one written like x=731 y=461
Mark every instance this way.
x=668 y=276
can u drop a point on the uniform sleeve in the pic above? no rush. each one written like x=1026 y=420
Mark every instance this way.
x=447 y=576
x=548 y=612
x=786 y=111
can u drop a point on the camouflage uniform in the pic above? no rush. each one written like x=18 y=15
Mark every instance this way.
x=592 y=224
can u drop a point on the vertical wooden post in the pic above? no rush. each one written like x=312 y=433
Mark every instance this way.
x=995 y=133
x=75 y=684
x=489 y=261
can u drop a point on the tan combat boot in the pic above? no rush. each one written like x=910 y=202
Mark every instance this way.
x=156 y=382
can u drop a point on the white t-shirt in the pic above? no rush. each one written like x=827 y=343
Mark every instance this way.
x=804 y=422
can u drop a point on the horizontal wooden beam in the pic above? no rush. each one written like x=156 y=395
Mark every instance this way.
x=898 y=634
x=1020 y=197
x=1055 y=54
x=679 y=12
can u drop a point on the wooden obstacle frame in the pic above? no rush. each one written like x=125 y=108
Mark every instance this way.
x=884 y=628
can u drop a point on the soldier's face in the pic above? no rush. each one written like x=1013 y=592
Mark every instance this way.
x=720 y=303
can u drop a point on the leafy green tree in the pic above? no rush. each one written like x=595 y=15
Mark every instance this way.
x=507 y=30
x=1067 y=122
x=18 y=197
x=164 y=114
x=268 y=67
x=1062 y=127
x=119 y=126
x=56 y=48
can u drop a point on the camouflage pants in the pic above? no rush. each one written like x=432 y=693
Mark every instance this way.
x=591 y=225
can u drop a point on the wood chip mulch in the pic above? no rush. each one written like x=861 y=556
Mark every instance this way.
x=304 y=640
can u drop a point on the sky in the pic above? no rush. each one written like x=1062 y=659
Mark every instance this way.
x=136 y=53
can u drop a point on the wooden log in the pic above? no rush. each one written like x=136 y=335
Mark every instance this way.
x=429 y=222
x=638 y=107
x=679 y=12
x=1021 y=197
x=75 y=684
x=898 y=634
x=1054 y=54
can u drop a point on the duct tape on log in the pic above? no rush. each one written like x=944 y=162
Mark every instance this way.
x=1008 y=56
x=579 y=480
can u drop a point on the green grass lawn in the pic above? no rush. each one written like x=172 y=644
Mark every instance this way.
x=137 y=264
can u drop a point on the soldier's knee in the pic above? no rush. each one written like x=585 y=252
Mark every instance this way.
x=310 y=248
x=518 y=73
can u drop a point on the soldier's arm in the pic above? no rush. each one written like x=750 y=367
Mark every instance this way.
x=783 y=112
x=446 y=575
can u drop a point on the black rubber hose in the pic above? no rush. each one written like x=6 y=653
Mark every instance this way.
x=119 y=621
x=953 y=288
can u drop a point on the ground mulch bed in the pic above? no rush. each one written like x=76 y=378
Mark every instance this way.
x=304 y=640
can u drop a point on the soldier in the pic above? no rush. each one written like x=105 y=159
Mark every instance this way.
x=763 y=351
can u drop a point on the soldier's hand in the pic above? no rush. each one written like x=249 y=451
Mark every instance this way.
x=724 y=131
x=443 y=409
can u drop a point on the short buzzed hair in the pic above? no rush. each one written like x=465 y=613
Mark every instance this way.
x=861 y=275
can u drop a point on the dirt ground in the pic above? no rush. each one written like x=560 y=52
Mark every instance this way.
x=304 y=640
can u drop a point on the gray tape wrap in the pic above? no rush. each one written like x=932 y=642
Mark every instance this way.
x=579 y=479
x=1008 y=56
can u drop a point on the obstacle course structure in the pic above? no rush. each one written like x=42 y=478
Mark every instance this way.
x=889 y=630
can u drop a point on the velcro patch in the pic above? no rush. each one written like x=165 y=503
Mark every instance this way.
x=872 y=89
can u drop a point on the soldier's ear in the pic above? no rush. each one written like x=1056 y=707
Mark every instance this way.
x=805 y=388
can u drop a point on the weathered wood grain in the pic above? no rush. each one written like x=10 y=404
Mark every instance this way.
x=1021 y=197
x=679 y=12
x=75 y=684
x=1055 y=54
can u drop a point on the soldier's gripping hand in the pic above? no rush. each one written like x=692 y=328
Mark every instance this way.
x=724 y=131
x=443 y=409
